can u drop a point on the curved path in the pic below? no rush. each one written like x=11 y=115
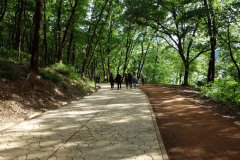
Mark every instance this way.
x=109 y=124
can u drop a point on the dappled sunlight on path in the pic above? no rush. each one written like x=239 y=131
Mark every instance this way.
x=109 y=124
x=190 y=131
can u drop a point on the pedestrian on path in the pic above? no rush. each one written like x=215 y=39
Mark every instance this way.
x=126 y=80
x=130 y=80
x=134 y=76
x=143 y=79
x=105 y=79
x=111 y=81
x=119 y=80
x=98 y=79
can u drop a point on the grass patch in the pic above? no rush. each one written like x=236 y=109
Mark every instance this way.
x=54 y=77
x=200 y=95
x=7 y=70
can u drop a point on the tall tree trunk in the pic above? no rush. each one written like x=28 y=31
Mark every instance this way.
x=128 y=48
x=2 y=15
x=60 y=49
x=231 y=54
x=18 y=34
x=63 y=41
x=92 y=55
x=186 y=74
x=89 y=46
x=211 y=33
x=69 y=48
x=36 y=40
x=73 y=53
x=102 y=60
x=45 y=33
x=140 y=63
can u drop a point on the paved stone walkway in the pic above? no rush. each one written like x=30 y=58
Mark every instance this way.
x=109 y=124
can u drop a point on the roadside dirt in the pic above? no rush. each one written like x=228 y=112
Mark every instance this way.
x=20 y=99
x=194 y=128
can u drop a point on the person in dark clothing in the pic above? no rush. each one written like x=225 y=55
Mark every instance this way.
x=119 y=80
x=143 y=79
x=111 y=81
x=130 y=80
x=98 y=79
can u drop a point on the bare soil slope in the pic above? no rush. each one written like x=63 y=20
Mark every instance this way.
x=194 y=128
x=27 y=96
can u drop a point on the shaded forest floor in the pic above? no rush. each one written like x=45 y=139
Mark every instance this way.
x=28 y=96
x=194 y=127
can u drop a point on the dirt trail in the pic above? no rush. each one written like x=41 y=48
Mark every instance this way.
x=189 y=131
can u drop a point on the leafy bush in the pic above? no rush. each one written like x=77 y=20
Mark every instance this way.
x=54 y=77
x=74 y=76
x=7 y=71
x=200 y=83
x=64 y=85
x=63 y=69
x=223 y=90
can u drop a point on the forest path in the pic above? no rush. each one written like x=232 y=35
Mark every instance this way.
x=189 y=131
x=109 y=124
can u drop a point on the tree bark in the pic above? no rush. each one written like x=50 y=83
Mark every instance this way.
x=69 y=48
x=45 y=34
x=36 y=40
x=18 y=34
x=73 y=54
x=62 y=41
x=2 y=15
x=89 y=46
x=211 y=33
x=60 y=49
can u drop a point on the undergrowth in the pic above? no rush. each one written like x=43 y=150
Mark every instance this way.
x=52 y=73
x=226 y=91
x=7 y=70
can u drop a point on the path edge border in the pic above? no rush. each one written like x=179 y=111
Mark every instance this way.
x=161 y=144
x=32 y=116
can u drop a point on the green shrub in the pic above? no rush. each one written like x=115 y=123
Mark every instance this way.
x=63 y=69
x=54 y=77
x=199 y=95
x=7 y=71
x=64 y=84
x=223 y=90
x=73 y=76
x=80 y=88
x=200 y=83
x=9 y=75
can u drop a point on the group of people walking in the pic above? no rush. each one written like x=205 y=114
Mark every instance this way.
x=129 y=79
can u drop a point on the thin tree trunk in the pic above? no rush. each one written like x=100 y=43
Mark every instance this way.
x=211 y=67
x=60 y=48
x=69 y=48
x=36 y=40
x=18 y=34
x=62 y=41
x=186 y=74
x=91 y=40
x=102 y=60
x=45 y=33
x=73 y=54
x=92 y=55
x=2 y=15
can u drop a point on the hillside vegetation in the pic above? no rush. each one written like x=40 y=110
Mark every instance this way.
x=23 y=95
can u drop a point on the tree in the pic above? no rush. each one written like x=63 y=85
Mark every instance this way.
x=228 y=19
x=166 y=18
x=36 y=37
x=62 y=40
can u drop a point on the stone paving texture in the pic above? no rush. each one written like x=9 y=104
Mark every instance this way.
x=109 y=124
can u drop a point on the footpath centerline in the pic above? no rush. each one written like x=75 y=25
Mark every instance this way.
x=109 y=124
